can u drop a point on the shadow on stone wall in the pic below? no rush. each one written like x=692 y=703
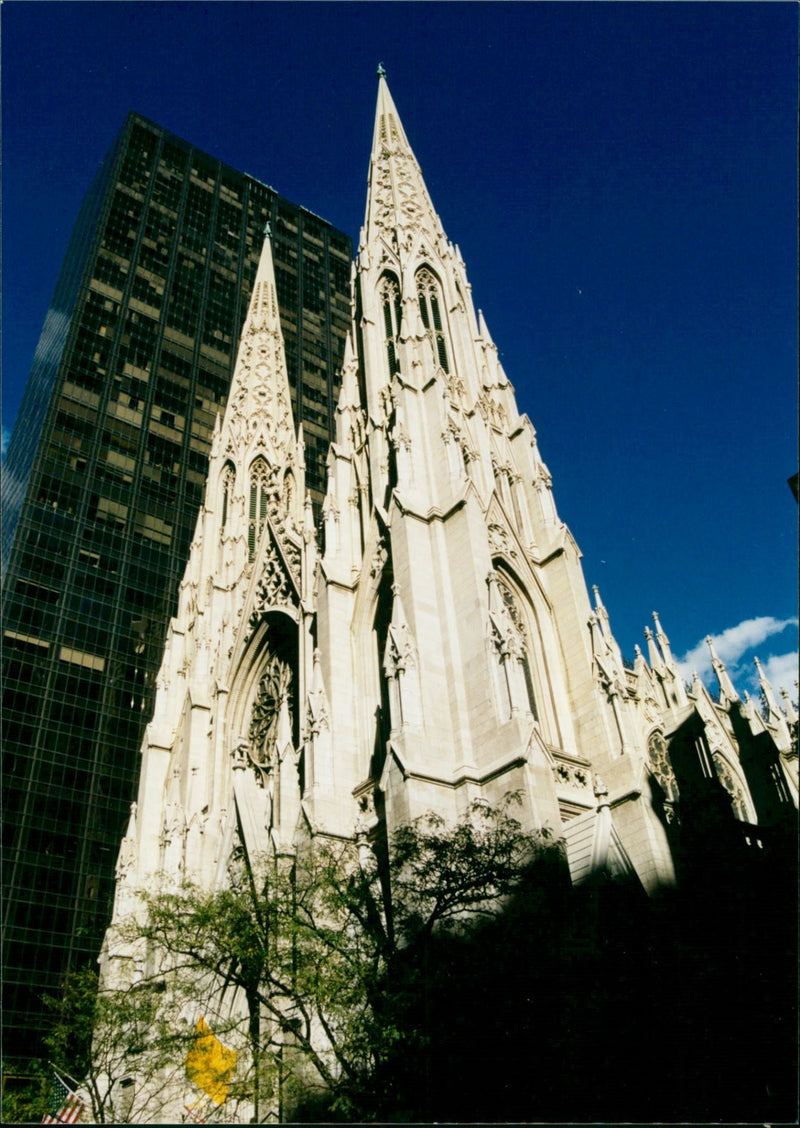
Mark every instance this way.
x=600 y=1004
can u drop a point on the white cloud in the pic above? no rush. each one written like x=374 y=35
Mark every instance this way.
x=4 y=446
x=731 y=644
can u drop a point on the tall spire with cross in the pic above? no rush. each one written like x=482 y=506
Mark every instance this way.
x=398 y=201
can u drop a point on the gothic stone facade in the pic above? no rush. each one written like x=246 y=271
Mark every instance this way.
x=442 y=646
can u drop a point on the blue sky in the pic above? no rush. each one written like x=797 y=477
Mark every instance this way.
x=622 y=181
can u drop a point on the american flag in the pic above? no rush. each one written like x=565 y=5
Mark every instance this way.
x=65 y=1106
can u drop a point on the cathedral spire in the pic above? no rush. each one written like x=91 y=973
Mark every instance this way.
x=663 y=642
x=348 y=396
x=653 y=654
x=774 y=711
x=788 y=707
x=726 y=687
x=397 y=202
x=775 y=717
x=258 y=416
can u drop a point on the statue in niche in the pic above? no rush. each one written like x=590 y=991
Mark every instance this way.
x=274 y=689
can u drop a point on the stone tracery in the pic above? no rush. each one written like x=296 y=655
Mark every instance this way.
x=274 y=690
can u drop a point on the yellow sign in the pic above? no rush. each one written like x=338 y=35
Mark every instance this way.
x=209 y=1064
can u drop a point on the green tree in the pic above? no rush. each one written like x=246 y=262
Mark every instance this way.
x=327 y=950
x=26 y=1089
x=114 y=1042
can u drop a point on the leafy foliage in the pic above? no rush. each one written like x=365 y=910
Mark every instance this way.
x=324 y=948
x=25 y=1093
x=103 y=1036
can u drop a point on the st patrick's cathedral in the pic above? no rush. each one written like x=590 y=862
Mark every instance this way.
x=433 y=643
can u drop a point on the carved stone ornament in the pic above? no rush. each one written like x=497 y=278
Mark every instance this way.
x=512 y=609
x=379 y=558
x=494 y=413
x=259 y=412
x=661 y=766
x=126 y=859
x=274 y=689
x=500 y=541
x=504 y=637
x=456 y=390
x=358 y=428
x=316 y=715
x=274 y=589
x=567 y=775
x=399 y=652
x=651 y=713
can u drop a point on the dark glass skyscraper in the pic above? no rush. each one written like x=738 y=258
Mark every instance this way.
x=102 y=484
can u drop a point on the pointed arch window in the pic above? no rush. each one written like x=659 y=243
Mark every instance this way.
x=512 y=645
x=257 y=512
x=430 y=308
x=516 y=617
x=727 y=777
x=661 y=765
x=228 y=479
x=392 y=308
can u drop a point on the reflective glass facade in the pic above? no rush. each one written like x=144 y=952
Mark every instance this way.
x=102 y=482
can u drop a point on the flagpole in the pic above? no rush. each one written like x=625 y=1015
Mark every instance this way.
x=63 y=1073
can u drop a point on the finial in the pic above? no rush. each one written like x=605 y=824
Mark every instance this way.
x=381 y=72
x=267 y=230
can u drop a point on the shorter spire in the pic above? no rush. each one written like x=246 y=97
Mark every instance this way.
x=348 y=392
x=309 y=525
x=788 y=707
x=767 y=690
x=653 y=653
x=663 y=641
x=215 y=435
x=599 y=605
x=726 y=688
